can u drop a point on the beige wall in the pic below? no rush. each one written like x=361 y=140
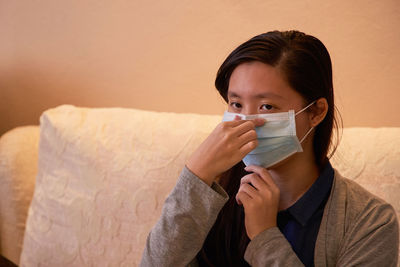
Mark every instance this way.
x=163 y=55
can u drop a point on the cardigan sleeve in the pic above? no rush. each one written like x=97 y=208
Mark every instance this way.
x=373 y=240
x=358 y=228
x=271 y=248
x=187 y=216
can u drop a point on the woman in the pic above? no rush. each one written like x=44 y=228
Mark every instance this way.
x=288 y=206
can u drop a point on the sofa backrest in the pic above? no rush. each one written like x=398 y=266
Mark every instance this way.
x=104 y=174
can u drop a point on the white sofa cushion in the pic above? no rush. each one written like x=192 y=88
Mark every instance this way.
x=104 y=174
x=371 y=157
x=102 y=179
x=18 y=168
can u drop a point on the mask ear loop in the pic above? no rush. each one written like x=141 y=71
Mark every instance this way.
x=309 y=105
x=312 y=128
x=305 y=136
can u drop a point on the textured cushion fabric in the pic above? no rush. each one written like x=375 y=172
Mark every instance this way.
x=104 y=174
x=371 y=157
x=102 y=179
x=18 y=168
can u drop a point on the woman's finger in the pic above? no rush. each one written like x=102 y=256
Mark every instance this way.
x=234 y=123
x=254 y=180
x=246 y=194
x=241 y=197
x=263 y=173
x=244 y=127
x=249 y=125
x=248 y=189
x=259 y=122
x=247 y=147
x=237 y=118
x=250 y=135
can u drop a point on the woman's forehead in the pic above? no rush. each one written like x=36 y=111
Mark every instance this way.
x=259 y=80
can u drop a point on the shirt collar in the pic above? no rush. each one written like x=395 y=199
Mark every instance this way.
x=308 y=204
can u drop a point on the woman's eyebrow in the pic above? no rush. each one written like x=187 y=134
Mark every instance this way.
x=233 y=94
x=262 y=95
x=267 y=95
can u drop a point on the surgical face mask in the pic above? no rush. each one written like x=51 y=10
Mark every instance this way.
x=277 y=139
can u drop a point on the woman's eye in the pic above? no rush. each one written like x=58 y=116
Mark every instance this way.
x=236 y=105
x=266 y=107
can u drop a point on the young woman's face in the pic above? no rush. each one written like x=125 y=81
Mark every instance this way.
x=256 y=88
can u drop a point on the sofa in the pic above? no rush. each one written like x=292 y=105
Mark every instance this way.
x=85 y=187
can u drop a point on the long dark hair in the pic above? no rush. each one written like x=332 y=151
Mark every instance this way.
x=306 y=65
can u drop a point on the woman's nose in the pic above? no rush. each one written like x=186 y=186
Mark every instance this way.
x=249 y=110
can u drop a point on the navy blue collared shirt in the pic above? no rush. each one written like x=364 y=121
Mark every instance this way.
x=300 y=222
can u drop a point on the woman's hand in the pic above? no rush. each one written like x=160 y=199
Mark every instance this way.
x=224 y=147
x=259 y=196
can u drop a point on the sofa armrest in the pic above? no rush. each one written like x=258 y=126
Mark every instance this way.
x=18 y=169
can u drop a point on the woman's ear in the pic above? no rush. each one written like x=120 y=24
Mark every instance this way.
x=318 y=111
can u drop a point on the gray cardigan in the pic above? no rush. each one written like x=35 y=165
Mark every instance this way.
x=357 y=229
